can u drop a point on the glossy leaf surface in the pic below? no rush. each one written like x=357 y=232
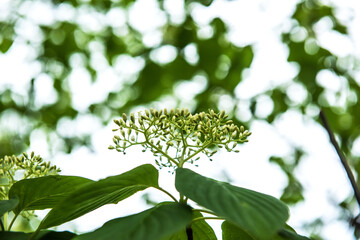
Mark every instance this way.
x=233 y=232
x=105 y=191
x=156 y=224
x=44 y=192
x=258 y=214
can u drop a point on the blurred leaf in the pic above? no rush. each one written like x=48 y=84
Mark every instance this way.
x=96 y=194
x=156 y=224
x=5 y=44
x=259 y=214
x=43 y=192
x=8 y=205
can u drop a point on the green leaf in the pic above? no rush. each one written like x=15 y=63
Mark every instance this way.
x=13 y=235
x=200 y=228
x=258 y=214
x=96 y=194
x=8 y=205
x=53 y=235
x=43 y=192
x=233 y=232
x=43 y=235
x=285 y=234
x=5 y=44
x=156 y=223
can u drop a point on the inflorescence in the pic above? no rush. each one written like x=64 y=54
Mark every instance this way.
x=15 y=168
x=176 y=136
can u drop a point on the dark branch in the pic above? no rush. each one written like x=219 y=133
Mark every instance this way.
x=341 y=156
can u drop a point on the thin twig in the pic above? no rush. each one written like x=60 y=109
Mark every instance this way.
x=341 y=156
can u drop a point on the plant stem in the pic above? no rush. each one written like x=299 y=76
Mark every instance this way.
x=341 y=156
x=166 y=192
x=162 y=152
x=206 y=218
x=204 y=211
x=195 y=153
x=189 y=233
x=12 y=222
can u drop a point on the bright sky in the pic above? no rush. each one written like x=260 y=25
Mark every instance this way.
x=258 y=22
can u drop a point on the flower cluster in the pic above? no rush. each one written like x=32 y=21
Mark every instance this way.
x=176 y=136
x=30 y=166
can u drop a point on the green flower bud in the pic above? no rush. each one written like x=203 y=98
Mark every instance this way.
x=124 y=117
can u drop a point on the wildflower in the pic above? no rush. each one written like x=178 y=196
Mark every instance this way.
x=176 y=136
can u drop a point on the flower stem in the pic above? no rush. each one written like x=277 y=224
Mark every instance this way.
x=207 y=218
x=167 y=193
x=204 y=211
x=12 y=221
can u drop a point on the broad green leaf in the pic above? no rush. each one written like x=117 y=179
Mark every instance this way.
x=8 y=205
x=43 y=192
x=256 y=213
x=201 y=230
x=233 y=232
x=285 y=234
x=43 y=235
x=156 y=223
x=13 y=236
x=53 y=235
x=105 y=191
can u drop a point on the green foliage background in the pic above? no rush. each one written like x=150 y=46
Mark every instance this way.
x=62 y=40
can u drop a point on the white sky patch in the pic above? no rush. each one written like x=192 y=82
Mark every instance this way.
x=90 y=20
x=33 y=8
x=116 y=17
x=164 y=54
x=39 y=143
x=145 y=16
x=186 y=90
x=65 y=12
x=176 y=10
x=296 y=92
x=190 y=53
x=226 y=103
x=264 y=75
x=264 y=106
x=126 y=66
x=18 y=57
x=45 y=92
x=329 y=80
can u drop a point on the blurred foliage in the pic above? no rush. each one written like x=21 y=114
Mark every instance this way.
x=66 y=44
